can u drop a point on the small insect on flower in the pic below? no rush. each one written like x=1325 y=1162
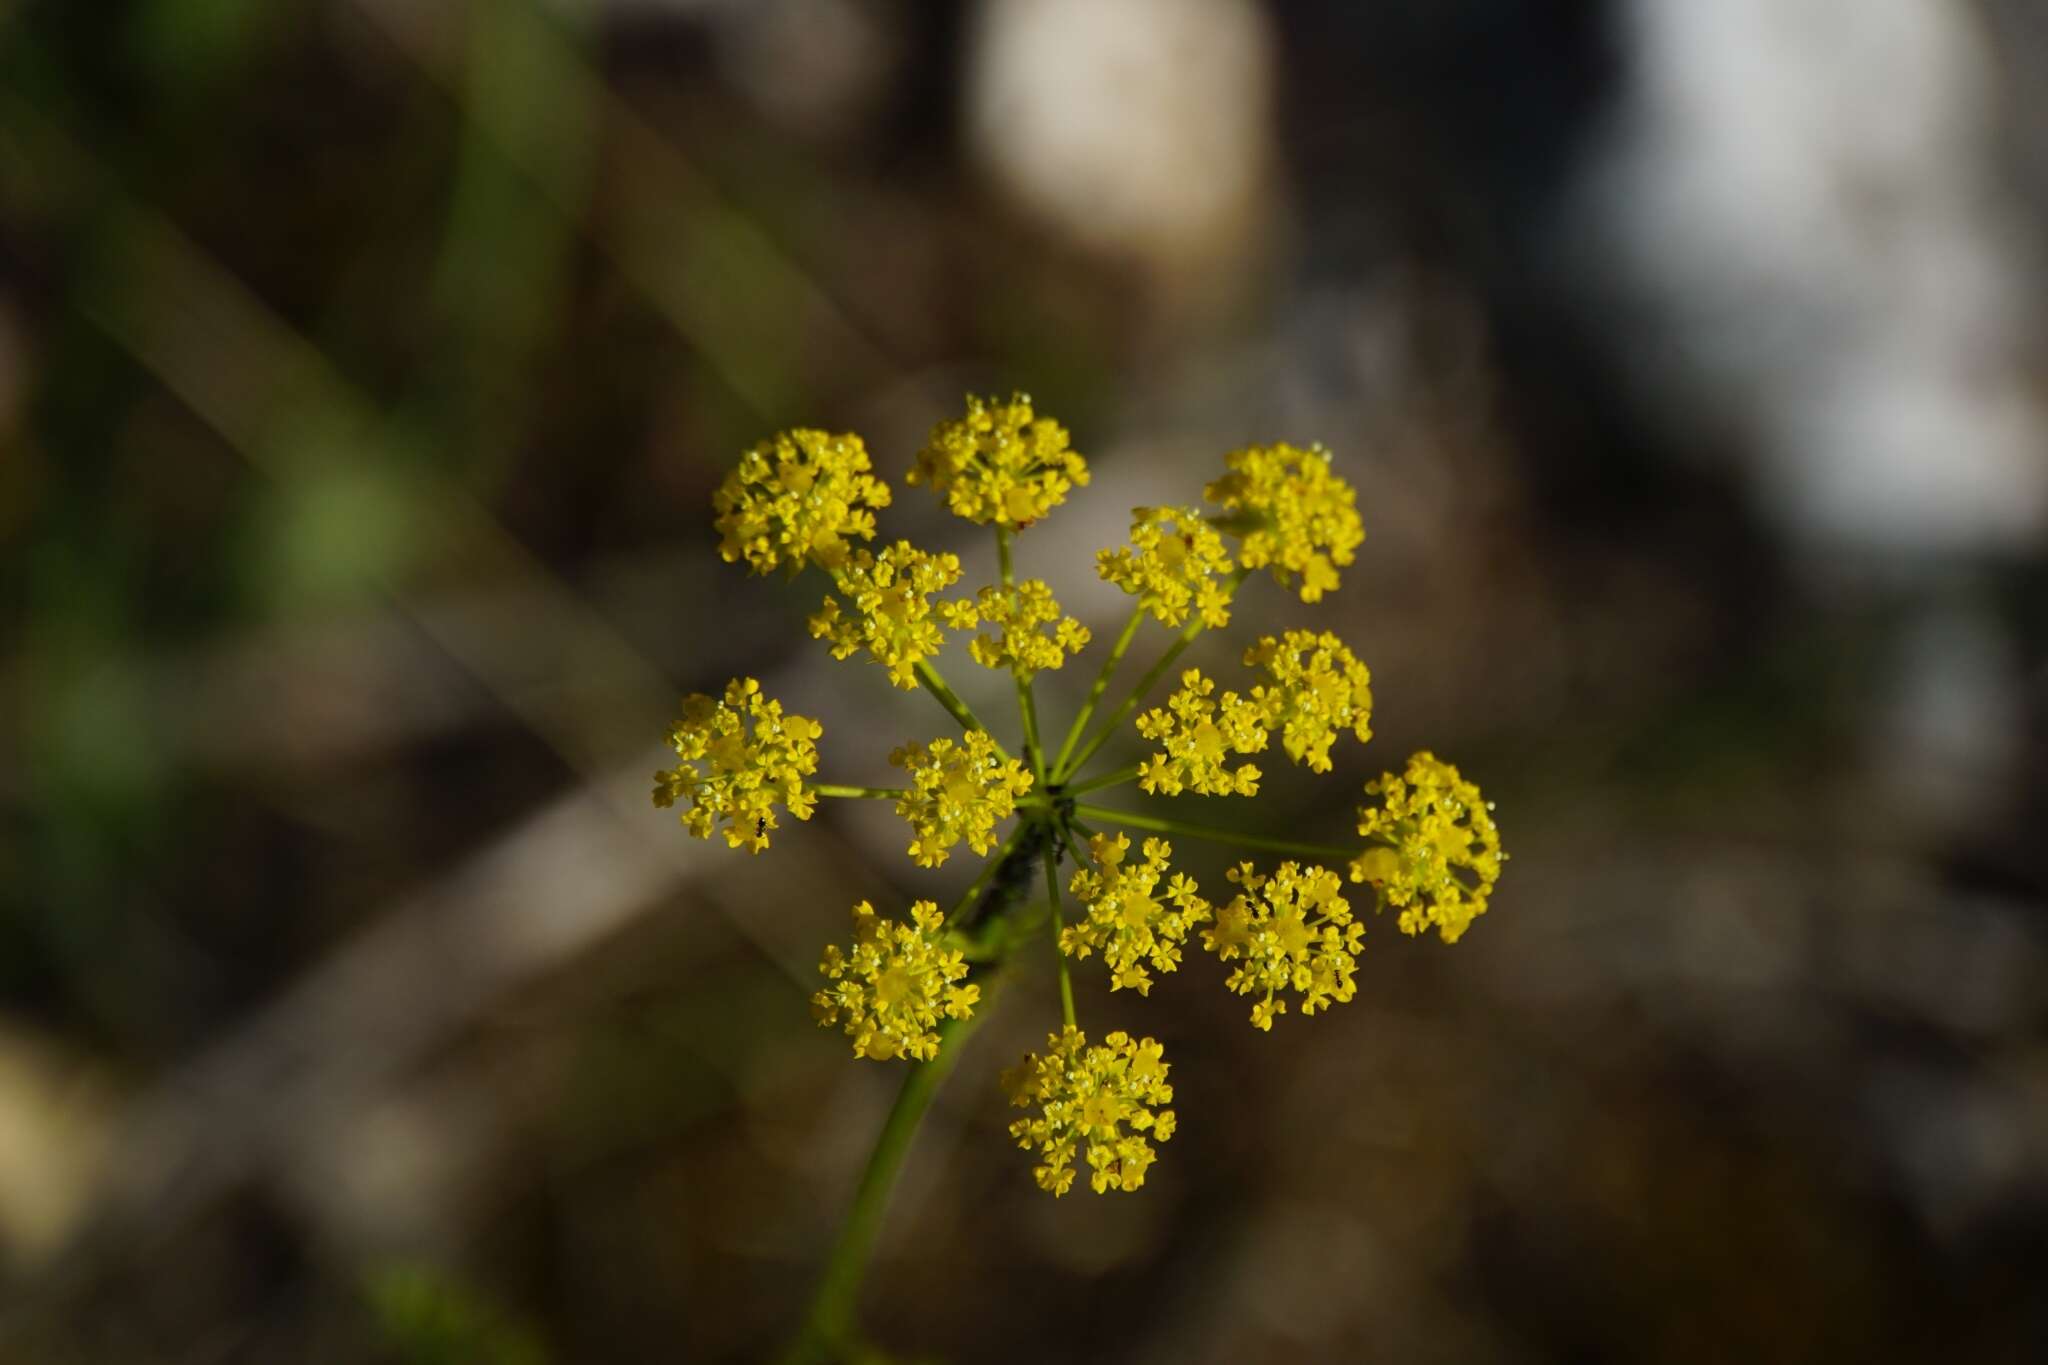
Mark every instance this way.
x=740 y=756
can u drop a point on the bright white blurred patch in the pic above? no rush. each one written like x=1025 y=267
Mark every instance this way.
x=1138 y=127
x=1802 y=197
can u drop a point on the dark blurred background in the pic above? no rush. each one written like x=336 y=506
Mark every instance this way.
x=366 y=367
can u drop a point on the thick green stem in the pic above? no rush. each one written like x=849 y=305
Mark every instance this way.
x=1161 y=825
x=828 y=1325
x=1101 y=685
x=878 y=793
x=830 y=1319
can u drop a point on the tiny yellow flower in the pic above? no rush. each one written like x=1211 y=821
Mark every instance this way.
x=1131 y=921
x=1019 y=615
x=957 y=791
x=1318 y=689
x=1098 y=1103
x=1174 y=564
x=1438 y=853
x=1001 y=464
x=889 y=989
x=1198 y=732
x=796 y=499
x=892 y=614
x=734 y=776
x=1290 y=931
x=1292 y=514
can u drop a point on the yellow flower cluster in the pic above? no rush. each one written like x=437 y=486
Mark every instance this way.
x=1098 y=1103
x=1290 y=931
x=1020 y=613
x=1439 y=853
x=1319 y=688
x=1130 y=921
x=1288 y=938
x=796 y=499
x=1198 y=733
x=1174 y=564
x=1000 y=464
x=893 y=616
x=888 y=991
x=1292 y=513
x=733 y=774
x=957 y=791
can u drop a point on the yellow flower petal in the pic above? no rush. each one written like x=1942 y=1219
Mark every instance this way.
x=740 y=756
x=1438 y=853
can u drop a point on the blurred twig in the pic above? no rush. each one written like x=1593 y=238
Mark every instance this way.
x=721 y=282
x=545 y=892
x=277 y=401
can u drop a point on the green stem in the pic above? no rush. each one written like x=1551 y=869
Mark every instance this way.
x=1130 y=703
x=880 y=793
x=1152 y=675
x=830 y=1319
x=1161 y=825
x=1027 y=708
x=1052 y=888
x=1101 y=685
x=955 y=707
x=1117 y=778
